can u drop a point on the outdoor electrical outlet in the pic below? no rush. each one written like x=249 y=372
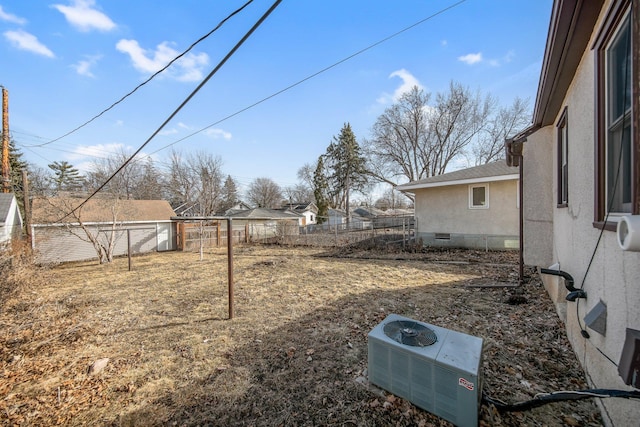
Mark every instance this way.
x=629 y=366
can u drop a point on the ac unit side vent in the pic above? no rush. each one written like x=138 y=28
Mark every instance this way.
x=442 y=377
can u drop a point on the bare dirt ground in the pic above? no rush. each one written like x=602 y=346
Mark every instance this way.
x=293 y=355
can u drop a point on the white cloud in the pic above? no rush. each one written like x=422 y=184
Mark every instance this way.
x=166 y=132
x=82 y=15
x=444 y=43
x=408 y=82
x=8 y=17
x=218 y=133
x=508 y=57
x=26 y=41
x=187 y=68
x=100 y=151
x=83 y=67
x=471 y=58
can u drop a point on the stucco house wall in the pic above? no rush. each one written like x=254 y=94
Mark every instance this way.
x=565 y=236
x=445 y=210
x=445 y=216
x=537 y=200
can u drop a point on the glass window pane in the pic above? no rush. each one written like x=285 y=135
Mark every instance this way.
x=619 y=73
x=478 y=196
x=619 y=154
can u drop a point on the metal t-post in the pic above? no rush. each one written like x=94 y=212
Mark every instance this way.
x=230 y=265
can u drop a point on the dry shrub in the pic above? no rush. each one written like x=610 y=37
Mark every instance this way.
x=17 y=269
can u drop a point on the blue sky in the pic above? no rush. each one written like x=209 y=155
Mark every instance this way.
x=64 y=61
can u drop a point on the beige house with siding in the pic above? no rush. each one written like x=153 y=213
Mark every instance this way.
x=581 y=189
x=469 y=208
x=58 y=237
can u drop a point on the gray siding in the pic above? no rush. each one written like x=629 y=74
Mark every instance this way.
x=54 y=244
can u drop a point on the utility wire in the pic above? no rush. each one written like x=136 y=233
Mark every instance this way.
x=299 y=82
x=191 y=95
x=149 y=79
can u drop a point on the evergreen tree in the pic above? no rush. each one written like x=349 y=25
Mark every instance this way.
x=320 y=190
x=66 y=177
x=17 y=165
x=229 y=194
x=347 y=165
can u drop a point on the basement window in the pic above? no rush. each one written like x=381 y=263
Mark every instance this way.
x=479 y=196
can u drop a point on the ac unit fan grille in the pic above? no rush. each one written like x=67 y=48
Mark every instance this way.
x=410 y=333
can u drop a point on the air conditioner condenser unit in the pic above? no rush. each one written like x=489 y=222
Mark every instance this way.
x=436 y=369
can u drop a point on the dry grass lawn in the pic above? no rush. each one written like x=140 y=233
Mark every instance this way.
x=290 y=356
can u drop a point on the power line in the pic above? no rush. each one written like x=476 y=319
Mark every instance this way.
x=149 y=79
x=299 y=82
x=172 y=115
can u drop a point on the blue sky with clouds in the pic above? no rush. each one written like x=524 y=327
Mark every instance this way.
x=64 y=61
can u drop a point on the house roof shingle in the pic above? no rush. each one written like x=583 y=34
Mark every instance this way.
x=47 y=210
x=496 y=171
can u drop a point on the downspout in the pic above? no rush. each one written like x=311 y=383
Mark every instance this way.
x=521 y=225
x=514 y=158
x=514 y=148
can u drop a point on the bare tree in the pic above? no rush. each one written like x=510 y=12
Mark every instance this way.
x=151 y=184
x=392 y=199
x=298 y=193
x=305 y=174
x=507 y=122
x=138 y=180
x=39 y=181
x=264 y=193
x=456 y=120
x=413 y=140
x=196 y=180
x=400 y=145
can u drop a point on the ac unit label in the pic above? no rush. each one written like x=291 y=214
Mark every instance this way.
x=466 y=384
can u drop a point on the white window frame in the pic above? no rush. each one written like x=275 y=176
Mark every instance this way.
x=486 y=196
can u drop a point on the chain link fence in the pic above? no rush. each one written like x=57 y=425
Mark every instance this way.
x=380 y=230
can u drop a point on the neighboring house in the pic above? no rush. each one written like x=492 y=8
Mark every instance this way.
x=581 y=179
x=368 y=212
x=378 y=218
x=238 y=207
x=263 y=223
x=469 y=208
x=336 y=217
x=308 y=210
x=58 y=237
x=10 y=218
